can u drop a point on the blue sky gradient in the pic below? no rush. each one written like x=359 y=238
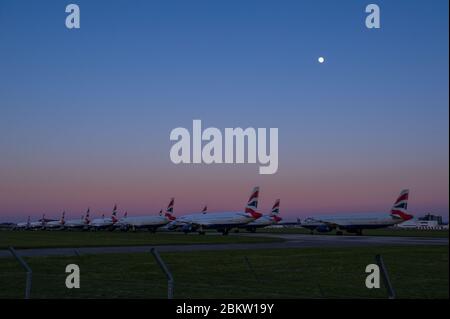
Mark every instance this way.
x=86 y=114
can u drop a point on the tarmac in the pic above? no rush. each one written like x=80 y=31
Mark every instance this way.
x=290 y=241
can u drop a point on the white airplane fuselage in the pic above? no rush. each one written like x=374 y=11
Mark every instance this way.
x=100 y=223
x=224 y=220
x=54 y=224
x=263 y=221
x=150 y=222
x=75 y=223
x=23 y=225
x=36 y=225
x=350 y=222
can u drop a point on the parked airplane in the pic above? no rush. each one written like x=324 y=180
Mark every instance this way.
x=151 y=223
x=38 y=224
x=56 y=224
x=24 y=225
x=356 y=223
x=103 y=223
x=34 y=225
x=222 y=222
x=81 y=223
x=265 y=220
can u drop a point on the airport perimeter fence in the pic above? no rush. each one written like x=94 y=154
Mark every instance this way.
x=202 y=274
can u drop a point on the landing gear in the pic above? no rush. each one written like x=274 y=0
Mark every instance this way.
x=225 y=231
x=200 y=230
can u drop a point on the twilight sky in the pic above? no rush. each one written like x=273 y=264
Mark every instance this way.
x=85 y=115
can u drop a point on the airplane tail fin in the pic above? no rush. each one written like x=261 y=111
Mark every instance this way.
x=205 y=209
x=252 y=204
x=114 y=214
x=169 y=210
x=275 y=211
x=87 y=220
x=400 y=208
x=62 y=221
x=275 y=208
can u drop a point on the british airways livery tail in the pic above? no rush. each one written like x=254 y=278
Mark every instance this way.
x=265 y=220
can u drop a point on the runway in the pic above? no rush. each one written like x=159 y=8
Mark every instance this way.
x=290 y=241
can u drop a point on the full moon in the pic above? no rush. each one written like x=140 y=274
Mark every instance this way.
x=321 y=59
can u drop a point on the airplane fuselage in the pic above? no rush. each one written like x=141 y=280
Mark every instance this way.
x=223 y=221
x=147 y=222
x=76 y=223
x=350 y=222
x=101 y=223
x=263 y=221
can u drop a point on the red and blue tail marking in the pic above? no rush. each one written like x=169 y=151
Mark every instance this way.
x=169 y=210
x=275 y=211
x=252 y=204
x=399 y=210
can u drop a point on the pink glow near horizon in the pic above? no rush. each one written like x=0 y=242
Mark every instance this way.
x=300 y=194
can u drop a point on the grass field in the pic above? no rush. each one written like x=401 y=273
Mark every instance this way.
x=368 y=232
x=37 y=239
x=416 y=272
